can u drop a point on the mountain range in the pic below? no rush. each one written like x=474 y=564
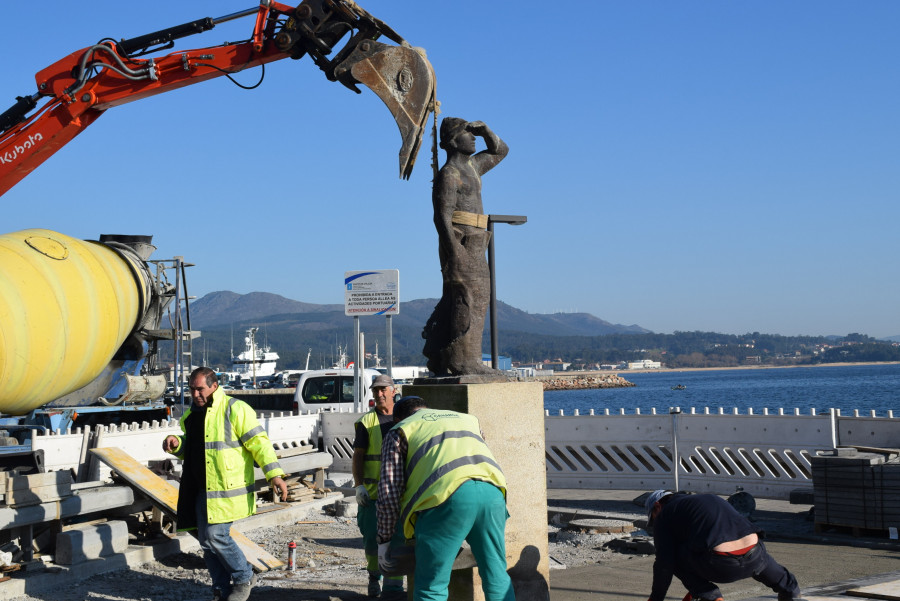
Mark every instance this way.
x=296 y=329
x=227 y=308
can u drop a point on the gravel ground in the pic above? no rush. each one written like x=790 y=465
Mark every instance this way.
x=330 y=559
x=330 y=566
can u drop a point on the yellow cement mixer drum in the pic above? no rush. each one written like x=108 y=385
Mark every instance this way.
x=66 y=306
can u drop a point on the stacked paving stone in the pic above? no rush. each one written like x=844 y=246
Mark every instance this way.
x=857 y=490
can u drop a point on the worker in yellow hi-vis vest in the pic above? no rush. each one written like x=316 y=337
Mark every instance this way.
x=440 y=481
x=370 y=431
x=221 y=440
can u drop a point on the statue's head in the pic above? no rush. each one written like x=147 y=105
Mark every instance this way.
x=450 y=128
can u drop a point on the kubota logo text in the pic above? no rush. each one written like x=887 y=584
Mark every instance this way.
x=11 y=155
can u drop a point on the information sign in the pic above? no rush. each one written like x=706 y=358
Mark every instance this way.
x=372 y=292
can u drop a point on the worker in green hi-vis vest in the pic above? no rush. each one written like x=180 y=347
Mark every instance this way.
x=370 y=431
x=441 y=483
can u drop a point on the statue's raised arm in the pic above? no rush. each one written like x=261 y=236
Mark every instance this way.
x=496 y=149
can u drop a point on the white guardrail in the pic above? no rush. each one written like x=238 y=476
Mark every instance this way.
x=767 y=455
x=69 y=450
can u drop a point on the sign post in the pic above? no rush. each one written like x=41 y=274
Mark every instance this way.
x=372 y=292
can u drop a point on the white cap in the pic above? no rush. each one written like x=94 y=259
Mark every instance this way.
x=654 y=498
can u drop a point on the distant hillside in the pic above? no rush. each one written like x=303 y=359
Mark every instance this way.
x=226 y=308
x=305 y=332
x=297 y=330
x=560 y=324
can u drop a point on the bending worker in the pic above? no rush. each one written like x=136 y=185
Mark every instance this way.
x=441 y=482
x=221 y=440
x=371 y=429
x=702 y=539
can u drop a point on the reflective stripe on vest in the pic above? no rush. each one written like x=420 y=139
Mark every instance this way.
x=372 y=460
x=445 y=450
x=230 y=493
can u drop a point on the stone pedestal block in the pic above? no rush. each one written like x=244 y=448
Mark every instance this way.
x=91 y=542
x=511 y=415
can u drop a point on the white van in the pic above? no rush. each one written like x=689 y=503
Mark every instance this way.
x=332 y=390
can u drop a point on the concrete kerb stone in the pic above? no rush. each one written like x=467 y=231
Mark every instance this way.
x=55 y=576
x=92 y=541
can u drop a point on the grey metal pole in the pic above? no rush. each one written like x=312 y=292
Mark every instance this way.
x=389 y=333
x=492 y=219
x=360 y=365
x=179 y=335
x=356 y=391
x=493 y=304
x=675 y=411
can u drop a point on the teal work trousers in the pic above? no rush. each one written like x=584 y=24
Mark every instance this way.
x=367 y=520
x=476 y=513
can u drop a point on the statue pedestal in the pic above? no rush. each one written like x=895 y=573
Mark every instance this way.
x=511 y=415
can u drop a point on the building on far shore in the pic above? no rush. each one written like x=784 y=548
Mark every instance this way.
x=644 y=364
x=503 y=363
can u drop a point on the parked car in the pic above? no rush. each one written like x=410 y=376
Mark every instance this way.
x=331 y=390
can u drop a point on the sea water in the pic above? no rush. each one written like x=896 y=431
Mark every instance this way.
x=865 y=388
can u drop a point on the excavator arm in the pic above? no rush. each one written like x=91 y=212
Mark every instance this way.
x=77 y=89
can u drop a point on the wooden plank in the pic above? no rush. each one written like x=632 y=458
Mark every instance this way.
x=164 y=495
x=258 y=557
x=281 y=453
x=886 y=590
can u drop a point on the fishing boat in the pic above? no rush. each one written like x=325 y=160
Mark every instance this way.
x=255 y=361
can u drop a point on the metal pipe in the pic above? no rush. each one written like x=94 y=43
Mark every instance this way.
x=237 y=15
x=389 y=333
x=675 y=411
x=357 y=397
x=361 y=370
x=492 y=219
x=493 y=302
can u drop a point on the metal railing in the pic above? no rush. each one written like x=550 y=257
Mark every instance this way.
x=767 y=455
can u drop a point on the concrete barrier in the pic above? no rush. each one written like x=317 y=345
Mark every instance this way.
x=83 y=543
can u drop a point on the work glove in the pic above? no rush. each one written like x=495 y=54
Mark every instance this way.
x=385 y=563
x=362 y=496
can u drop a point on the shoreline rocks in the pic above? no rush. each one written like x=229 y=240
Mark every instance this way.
x=585 y=382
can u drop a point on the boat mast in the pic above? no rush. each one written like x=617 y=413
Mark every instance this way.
x=252 y=333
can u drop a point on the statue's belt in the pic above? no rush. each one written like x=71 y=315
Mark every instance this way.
x=473 y=219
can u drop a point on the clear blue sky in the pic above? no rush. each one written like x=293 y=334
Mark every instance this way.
x=718 y=166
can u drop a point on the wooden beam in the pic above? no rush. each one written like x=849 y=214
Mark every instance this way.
x=165 y=496
x=886 y=590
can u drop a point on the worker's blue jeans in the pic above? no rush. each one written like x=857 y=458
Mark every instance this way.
x=698 y=572
x=224 y=559
x=476 y=513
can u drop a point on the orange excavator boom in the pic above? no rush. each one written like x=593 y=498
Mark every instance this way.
x=338 y=35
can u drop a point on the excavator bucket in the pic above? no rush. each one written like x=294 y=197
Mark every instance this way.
x=404 y=80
